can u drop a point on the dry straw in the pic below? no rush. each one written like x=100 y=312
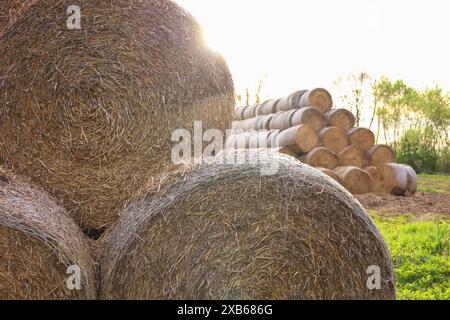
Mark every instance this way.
x=38 y=242
x=227 y=232
x=88 y=114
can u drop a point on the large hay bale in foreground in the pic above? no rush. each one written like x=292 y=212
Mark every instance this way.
x=227 y=232
x=88 y=114
x=10 y=10
x=38 y=242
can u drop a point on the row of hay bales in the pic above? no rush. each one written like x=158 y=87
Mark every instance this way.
x=86 y=118
x=306 y=126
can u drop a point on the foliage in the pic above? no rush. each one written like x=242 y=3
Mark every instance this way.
x=417 y=148
x=415 y=122
x=420 y=251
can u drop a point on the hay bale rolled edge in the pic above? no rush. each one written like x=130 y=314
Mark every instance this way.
x=41 y=242
x=104 y=110
x=245 y=228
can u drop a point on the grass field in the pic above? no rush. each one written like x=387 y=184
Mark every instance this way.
x=434 y=183
x=419 y=245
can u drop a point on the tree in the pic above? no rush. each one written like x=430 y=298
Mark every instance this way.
x=356 y=89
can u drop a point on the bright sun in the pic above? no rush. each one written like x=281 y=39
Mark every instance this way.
x=304 y=44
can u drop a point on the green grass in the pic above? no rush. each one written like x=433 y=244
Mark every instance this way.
x=420 y=251
x=433 y=183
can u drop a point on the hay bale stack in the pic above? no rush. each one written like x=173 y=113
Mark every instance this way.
x=319 y=98
x=353 y=146
x=226 y=232
x=334 y=138
x=321 y=157
x=38 y=242
x=333 y=175
x=352 y=156
x=355 y=180
x=341 y=118
x=88 y=114
x=380 y=154
x=361 y=138
x=382 y=178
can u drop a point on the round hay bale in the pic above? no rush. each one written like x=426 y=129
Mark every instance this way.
x=239 y=113
x=405 y=179
x=382 y=179
x=380 y=154
x=267 y=107
x=334 y=138
x=249 y=112
x=355 y=180
x=352 y=156
x=319 y=98
x=302 y=139
x=310 y=116
x=282 y=120
x=88 y=114
x=226 y=232
x=290 y=102
x=341 y=118
x=321 y=157
x=38 y=243
x=361 y=138
x=256 y=123
x=333 y=175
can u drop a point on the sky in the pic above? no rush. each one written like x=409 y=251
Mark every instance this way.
x=305 y=44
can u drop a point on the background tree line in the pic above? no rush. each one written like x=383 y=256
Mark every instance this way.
x=414 y=122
